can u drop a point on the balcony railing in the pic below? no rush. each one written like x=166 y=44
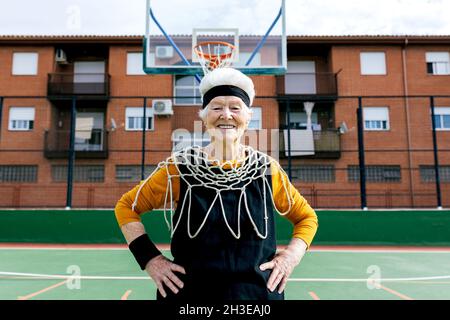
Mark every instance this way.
x=321 y=83
x=78 y=84
x=324 y=144
x=89 y=144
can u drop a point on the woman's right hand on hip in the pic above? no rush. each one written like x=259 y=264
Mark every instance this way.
x=162 y=270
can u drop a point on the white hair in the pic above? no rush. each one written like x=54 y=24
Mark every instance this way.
x=228 y=76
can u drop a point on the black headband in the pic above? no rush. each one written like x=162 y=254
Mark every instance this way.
x=225 y=90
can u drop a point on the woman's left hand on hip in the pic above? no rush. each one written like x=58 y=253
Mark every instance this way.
x=283 y=264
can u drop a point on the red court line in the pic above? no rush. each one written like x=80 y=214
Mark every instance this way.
x=42 y=291
x=313 y=295
x=398 y=294
x=126 y=294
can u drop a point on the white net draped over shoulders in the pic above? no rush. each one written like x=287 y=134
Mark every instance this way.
x=199 y=171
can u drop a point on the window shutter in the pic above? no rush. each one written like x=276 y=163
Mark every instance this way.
x=437 y=57
x=25 y=63
x=21 y=113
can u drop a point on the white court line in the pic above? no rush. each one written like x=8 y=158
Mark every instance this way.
x=50 y=276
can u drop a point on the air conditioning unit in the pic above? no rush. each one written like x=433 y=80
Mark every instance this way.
x=60 y=56
x=162 y=107
x=164 y=52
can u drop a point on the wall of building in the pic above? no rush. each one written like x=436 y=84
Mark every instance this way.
x=410 y=126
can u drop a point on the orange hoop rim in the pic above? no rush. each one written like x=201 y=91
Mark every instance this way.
x=212 y=56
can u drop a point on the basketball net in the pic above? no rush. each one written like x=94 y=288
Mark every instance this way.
x=214 y=54
x=198 y=174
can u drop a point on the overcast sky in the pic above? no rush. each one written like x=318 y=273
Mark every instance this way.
x=304 y=17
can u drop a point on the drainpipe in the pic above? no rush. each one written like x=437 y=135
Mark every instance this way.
x=288 y=112
x=144 y=123
x=408 y=133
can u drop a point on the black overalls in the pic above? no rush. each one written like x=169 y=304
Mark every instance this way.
x=219 y=266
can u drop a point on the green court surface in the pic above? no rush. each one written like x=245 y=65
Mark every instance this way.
x=110 y=273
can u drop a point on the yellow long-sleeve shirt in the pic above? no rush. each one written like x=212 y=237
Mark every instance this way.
x=152 y=196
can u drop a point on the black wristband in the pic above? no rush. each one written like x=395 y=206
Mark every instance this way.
x=143 y=250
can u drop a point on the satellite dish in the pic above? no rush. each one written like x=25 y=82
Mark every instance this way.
x=343 y=128
x=113 y=124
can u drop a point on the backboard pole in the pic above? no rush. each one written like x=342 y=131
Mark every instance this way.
x=147 y=33
x=168 y=37
x=263 y=40
x=284 y=35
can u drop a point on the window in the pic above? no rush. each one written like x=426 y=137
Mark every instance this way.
x=81 y=173
x=89 y=133
x=256 y=120
x=376 y=173
x=442 y=118
x=438 y=63
x=299 y=120
x=427 y=173
x=187 y=90
x=25 y=63
x=88 y=72
x=376 y=118
x=373 y=63
x=21 y=118
x=18 y=173
x=312 y=173
x=134 y=117
x=135 y=63
x=182 y=139
x=132 y=173
x=300 y=77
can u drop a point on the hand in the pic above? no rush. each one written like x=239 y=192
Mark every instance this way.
x=162 y=270
x=283 y=264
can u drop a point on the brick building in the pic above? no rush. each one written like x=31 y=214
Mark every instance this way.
x=391 y=77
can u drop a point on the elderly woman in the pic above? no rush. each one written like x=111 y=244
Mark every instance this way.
x=223 y=200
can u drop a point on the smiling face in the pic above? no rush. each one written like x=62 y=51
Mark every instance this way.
x=227 y=118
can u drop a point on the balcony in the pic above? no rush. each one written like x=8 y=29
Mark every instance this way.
x=308 y=84
x=89 y=144
x=90 y=84
x=324 y=144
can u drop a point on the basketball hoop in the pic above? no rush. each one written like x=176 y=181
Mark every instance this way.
x=214 y=54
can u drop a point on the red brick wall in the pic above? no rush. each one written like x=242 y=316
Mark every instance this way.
x=24 y=85
x=125 y=146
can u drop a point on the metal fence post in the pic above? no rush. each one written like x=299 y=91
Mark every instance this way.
x=70 y=167
x=288 y=112
x=362 y=163
x=436 y=159
x=144 y=120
